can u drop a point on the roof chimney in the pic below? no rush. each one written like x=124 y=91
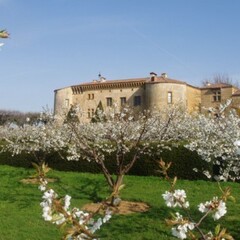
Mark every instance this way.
x=101 y=78
x=153 y=76
x=164 y=75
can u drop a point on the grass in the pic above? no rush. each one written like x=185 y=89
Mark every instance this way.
x=21 y=214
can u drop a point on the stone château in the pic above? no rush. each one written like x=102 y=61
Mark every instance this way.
x=152 y=92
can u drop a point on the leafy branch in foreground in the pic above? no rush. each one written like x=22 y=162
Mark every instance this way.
x=4 y=34
x=187 y=227
x=77 y=224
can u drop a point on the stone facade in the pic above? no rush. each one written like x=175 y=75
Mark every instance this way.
x=212 y=95
x=153 y=92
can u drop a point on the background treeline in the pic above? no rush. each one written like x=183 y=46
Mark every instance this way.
x=183 y=163
x=18 y=118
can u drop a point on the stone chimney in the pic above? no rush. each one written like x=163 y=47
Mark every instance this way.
x=164 y=75
x=101 y=78
x=153 y=76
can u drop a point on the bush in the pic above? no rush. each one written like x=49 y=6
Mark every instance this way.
x=183 y=162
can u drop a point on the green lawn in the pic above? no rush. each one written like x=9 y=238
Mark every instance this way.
x=20 y=212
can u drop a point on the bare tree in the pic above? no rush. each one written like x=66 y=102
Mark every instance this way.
x=220 y=78
x=18 y=118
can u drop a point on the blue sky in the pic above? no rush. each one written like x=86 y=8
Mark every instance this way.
x=57 y=43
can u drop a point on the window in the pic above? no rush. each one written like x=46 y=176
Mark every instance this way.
x=90 y=96
x=123 y=101
x=66 y=103
x=109 y=101
x=217 y=96
x=137 y=101
x=169 y=98
x=91 y=113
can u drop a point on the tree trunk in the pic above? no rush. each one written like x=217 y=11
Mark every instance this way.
x=115 y=199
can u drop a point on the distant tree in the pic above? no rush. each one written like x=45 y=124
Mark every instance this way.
x=37 y=141
x=220 y=78
x=71 y=115
x=19 y=118
x=98 y=116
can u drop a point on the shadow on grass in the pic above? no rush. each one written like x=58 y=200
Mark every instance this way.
x=90 y=189
x=149 y=225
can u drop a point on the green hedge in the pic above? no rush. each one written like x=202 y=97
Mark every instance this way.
x=183 y=162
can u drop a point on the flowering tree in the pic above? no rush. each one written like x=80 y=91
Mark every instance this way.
x=215 y=138
x=36 y=140
x=124 y=134
x=39 y=140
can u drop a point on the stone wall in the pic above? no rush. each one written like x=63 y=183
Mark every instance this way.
x=207 y=97
x=153 y=93
x=193 y=99
x=90 y=100
x=63 y=99
x=157 y=94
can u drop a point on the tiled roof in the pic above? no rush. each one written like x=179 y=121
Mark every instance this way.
x=99 y=82
x=166 y=80
x=132 y=80
x=237 y=93
x=216 y=85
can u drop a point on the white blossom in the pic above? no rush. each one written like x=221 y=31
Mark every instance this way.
x=107 y=216
x=169 y=199
x=218 y=207
x=180 y=231
x=176 y=198
x=42 y=188
x=220 y=211
x=216 y=140
x=50 y=213
x=67 y=202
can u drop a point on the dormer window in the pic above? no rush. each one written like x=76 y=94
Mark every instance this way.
x=217 y=96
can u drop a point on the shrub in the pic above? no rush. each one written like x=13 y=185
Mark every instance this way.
x=183 y=162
